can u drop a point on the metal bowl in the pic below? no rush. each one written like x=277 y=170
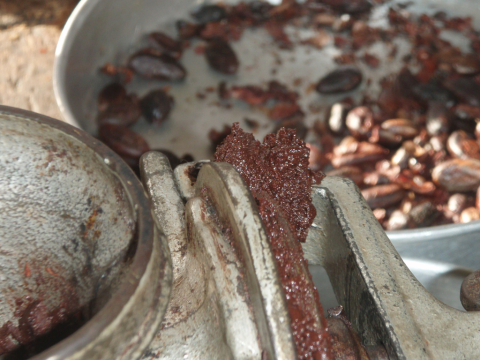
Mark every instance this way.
x=101 y=31
x=77 y=241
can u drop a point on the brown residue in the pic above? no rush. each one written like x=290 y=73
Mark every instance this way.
x=27 y=271
x=279 y=165
x=51 y=272
x=277 y=174
x=91 y=220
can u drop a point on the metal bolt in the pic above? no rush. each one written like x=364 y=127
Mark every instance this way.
x=470 y=292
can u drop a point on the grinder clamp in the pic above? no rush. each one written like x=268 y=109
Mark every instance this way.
x=227 y=300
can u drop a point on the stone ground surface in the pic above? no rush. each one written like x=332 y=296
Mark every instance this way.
x=29 y=31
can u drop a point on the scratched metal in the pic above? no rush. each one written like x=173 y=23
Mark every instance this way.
x=227 y=301
x=69 y=212
x=384 y=300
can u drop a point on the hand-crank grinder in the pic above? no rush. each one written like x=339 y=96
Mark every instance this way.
x=226 y=299
x=227 y=302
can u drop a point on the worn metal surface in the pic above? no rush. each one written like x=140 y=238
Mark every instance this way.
x=75 y=226
x=395 y=316
x=193 y=327
x=227 y=301
x=235 y=205
x=382 y=298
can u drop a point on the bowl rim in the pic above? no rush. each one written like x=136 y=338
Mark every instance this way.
x=433 y=233
x=74 y=23
x=145 y=234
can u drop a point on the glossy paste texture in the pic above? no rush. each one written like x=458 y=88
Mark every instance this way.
x=278 y=176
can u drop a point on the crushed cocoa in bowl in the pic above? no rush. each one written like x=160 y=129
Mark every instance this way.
x=400 y=143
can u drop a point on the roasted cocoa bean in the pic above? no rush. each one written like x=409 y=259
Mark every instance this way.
x=438 y=142
x=469 y=214
x=111 y=94
x=156 y=106
x=374 y=179
x=351 y=172
x=380 y=214
x=116 y=107
x=221 y=57
x=167 y=44
x=461 y=146
x=336 y=117
x=398 y=221
x=432 y=92
x=340 y=80
x=415 y=183
x=209 y=13
x=383 y=196
x=356 y=159
x=465 y=88
x=424 y=214
x=466 y=64
x=348 y=145
x=403 y=127
x=359 y=121
x=459 y=202
x=122 y=140
x=458 y=175
x=187 y=30
x=153 y=65
x=384 y=137
x=437 y=119
x=349 y=6
x=403 y=154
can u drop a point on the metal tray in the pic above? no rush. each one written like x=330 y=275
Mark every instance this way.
x=101 y=31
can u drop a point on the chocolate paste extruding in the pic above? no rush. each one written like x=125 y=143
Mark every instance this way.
x=278 y=166
x=276 y=171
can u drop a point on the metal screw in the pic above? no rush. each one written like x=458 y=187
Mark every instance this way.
x=470 y=292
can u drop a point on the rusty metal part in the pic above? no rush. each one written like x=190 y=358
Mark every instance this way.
x=76 y=232
x=470 y=292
